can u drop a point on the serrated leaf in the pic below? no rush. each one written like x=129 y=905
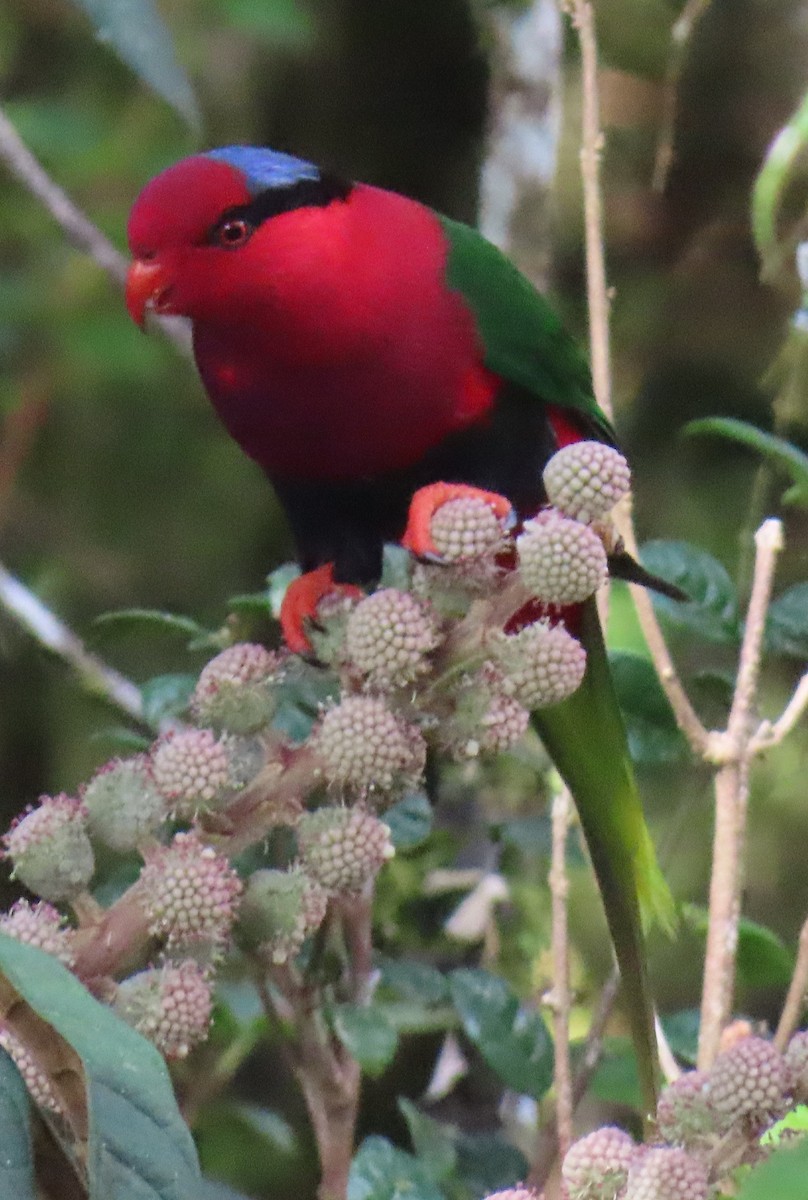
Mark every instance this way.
x=513 y=1040
x=410 y=821
x=413 y=980
x=16 y=1161
x=784 y=453
x=782 y=1177
x=380 y=1171
x=432 y=1142
x=367 y=1035
x=712 y=610
x=653 y=735
x=150 y=621
x=787 y=622
x=166 y=696
x=138 y=35
x=139 y=1148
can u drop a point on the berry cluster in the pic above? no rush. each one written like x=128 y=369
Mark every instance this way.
x=454 y=656
x=707 y=1123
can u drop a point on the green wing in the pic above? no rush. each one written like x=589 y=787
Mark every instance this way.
x=524 y=340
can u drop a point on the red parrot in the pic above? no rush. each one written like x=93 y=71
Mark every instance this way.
x=360 y=347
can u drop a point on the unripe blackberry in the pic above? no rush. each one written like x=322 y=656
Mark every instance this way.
x=190 y=894
x=486 y=719
x=683 y=1113
x=50 y=849
x=466 y=529
x=342 y=848
x=280 y=909
x=236 y=689
x=191 y=769
x=388 y=637
x=170 y=1006
x=667 y=1173
x=596 y=1166
x=542 y=664
x=40 y=925
x=749 y=1083
x=561 y=561
x=36 y=1081
x=123 y=805
x=586 y=479
x=796 y=1057
x=365 y=747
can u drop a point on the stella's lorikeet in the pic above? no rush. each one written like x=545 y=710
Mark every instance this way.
x=360 y=348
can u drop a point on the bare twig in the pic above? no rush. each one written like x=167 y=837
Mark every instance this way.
x=797 y=991
x=731 y=750
x=29 y=612
x=80 y=230
x=771 y=734
x=667 y=1060
x=559 y=891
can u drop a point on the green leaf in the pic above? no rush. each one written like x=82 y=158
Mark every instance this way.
x=513 y=1040
x=139 y=1147
x=487 y=1163
x=149 y=621
x=786 y=455
x=616 y=1080
x=782 y=1177
x=252 y=604
x=367 y=1035
x=413 y=980
x=682 y=1031
x=432 y=1142
x=713 y=608
x=653 y=735
x=166 y=696
x=795 y=1121
x=380 y=1171
x=277 y=583
x=16 y=1162
x=136 y=32
x=772 y=180
x=279 y=22
x=121 y=740
x=763 y=959
x=787 y=623
x=410 y=821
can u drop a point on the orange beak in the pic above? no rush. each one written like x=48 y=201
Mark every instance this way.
x=148 y=285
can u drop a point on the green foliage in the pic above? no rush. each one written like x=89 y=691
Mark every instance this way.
x=764 y=961
x=712 y=612
x=139 y=1148
x=410 y=821
x=787 y=623
x=784 y=454
x=513 y=1040
x=367 y=1035
x=772 y=180
x=16 y=1160
x=783 y=1176
x=653 y=735
x=380 y=1171
x=137 y=33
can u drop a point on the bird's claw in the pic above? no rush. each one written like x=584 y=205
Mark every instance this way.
x=301 y=601
x=426 y=502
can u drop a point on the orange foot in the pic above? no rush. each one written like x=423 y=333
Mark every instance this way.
x=300 y=603
x=426 y=502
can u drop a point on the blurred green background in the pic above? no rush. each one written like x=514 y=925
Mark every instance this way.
x=119 y=489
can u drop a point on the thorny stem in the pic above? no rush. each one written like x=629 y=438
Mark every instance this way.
x=732 y=752
x=797 y=991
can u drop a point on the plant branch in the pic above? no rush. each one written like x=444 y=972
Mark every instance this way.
x=38 y=620
x=681 y=33
x=795 y=999
x=771 y=734
x=560 y=995
x=731 y=750
x=79 y=229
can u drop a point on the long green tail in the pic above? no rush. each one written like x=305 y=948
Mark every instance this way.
x=586 y=739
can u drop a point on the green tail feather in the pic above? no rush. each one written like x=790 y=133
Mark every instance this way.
x=586 y=740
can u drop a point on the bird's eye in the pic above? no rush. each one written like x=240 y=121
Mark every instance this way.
x=233 y=232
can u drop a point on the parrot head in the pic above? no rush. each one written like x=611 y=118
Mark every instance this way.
x=207 y=233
